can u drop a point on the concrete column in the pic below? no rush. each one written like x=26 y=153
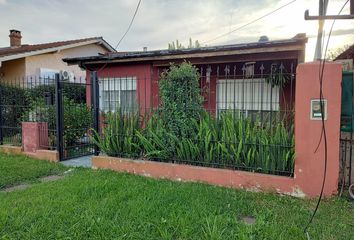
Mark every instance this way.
x=34 y=136
x=309 y=165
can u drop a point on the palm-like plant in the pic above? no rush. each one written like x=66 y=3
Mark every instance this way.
x=118 y=136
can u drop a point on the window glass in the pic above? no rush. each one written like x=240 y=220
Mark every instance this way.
x=247 y=96
x=118 y=93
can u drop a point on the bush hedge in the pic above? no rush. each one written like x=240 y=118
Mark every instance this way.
x=180 y=98
x=77 y=118
x=18 y=103
x=76 y=92
x=14 y=102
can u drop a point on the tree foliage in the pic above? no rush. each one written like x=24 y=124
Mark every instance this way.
x=180 y=98
x=333 y=53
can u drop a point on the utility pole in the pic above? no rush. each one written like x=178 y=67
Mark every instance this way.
x=322 y=10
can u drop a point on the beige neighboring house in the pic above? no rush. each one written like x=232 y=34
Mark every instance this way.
x=44 y=60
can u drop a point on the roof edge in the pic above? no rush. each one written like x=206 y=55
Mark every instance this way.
x=92 y=40
x=346 y=53
x=108 y=46
x=299 y=39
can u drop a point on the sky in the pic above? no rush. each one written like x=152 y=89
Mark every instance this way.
x=159 y=22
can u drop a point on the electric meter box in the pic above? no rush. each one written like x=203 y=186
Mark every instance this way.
x=317 y=111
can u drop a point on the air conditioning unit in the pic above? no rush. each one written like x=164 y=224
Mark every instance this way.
x=67 y=75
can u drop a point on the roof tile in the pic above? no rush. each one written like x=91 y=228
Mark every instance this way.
x=7 y=51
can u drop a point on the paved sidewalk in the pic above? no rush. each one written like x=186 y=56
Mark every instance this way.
x=79 y=162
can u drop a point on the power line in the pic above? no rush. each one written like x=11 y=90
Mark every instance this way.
x=126 y=32
x=249 y=23
x=130 y=24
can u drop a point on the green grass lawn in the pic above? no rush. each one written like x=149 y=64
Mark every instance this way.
x=88 y=204
x=15 y=169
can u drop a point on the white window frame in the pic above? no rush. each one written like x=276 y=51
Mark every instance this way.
x=248 y=97
x=118 y=85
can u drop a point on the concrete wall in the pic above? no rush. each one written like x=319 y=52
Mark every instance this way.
x=34 y=136
x=310 y=164
x=54 y=60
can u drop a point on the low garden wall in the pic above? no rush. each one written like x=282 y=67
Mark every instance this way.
x=39 y=154
x=182 y=172
x=34 y=142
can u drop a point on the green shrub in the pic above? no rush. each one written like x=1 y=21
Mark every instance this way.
x=231 y=141
x=118 y=137
x=19 y=103
x=77 y=118
x=14 y=102
x=40 y=112
x=180 y=98
x=225 y=142
x=75 y=92
x=156 y=142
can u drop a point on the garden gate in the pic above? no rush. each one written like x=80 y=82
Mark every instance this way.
x=76 y=118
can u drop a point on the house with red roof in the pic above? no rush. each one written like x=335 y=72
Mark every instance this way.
x=44 y=60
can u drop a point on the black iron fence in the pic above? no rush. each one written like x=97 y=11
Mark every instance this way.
x=346 y=177
x=241 y=117
x=227 y=116
x=59 y=103
x=26 y=99
x=74 y=121
x=347 y=136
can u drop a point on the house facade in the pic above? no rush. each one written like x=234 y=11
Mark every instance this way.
x=236 y=77
x=43 y=60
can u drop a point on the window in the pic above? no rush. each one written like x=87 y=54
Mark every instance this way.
x=47 y=74
x=247 y=96
x=117 y=93
x=46 y=77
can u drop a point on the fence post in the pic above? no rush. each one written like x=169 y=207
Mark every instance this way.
x=59 y=116
x=309 y=163
x=95 y=105
x=1 y=118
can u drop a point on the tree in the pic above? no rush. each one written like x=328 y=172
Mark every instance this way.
x=333 y=53
x=177 y=45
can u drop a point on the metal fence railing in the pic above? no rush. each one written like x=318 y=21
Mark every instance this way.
x=74 y=118
x=243 y=121
x=25 y=99
x=34 y=99
x=236 y=116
